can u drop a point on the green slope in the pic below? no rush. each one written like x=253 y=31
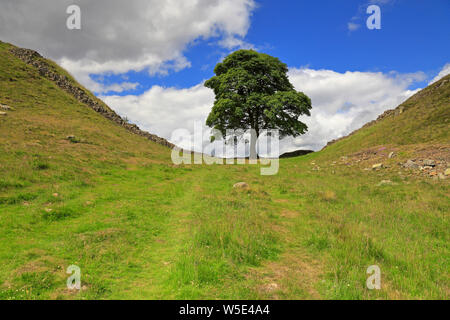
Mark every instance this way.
x=422 y=119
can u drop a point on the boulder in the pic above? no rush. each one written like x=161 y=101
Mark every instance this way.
x=377 y=166
x=73 y=139
x=429 y=163
x=382 y=182
x=241 y=185
x=411 y=164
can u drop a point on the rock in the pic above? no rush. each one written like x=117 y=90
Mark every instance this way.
x=391 y=155
x=399 y=110
x=433 y=173
x=271 y=286
x=48 y=210
x=2 y=113
x=447 y=172
x=55 y=195
x=384 y=182
x=73 y=139
x=411 y=165
x=441 y=176
x=5 y=107
x=241 y=185
x=377 y=166
x=429 y=163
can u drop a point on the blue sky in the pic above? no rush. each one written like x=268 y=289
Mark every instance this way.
x=414 y=36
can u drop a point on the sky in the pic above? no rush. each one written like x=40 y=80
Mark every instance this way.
x=148 y=59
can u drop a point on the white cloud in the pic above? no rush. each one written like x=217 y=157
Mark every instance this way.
x=353 y=26
x=445 y=71
x=163 y=110
x=116 y=38
x=342 y=102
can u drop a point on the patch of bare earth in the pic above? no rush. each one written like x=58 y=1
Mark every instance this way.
x=293 y=276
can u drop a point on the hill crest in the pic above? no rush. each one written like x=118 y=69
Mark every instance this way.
x=53 y=73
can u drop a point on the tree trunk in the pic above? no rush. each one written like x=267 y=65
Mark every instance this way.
x=253 y=154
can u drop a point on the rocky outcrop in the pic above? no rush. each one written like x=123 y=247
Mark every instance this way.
x=48 y=71
x=295 y=153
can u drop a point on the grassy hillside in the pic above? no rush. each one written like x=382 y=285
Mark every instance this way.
x=141 y=228
x=422 y=119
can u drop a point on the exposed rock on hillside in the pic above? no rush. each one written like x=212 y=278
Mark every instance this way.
x=5 y=107
x=241 y=185
x=46 y=70
x=295 y=153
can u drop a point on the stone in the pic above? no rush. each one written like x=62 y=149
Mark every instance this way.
x=73 y=139
x=433 y=173
x=2 y=113
x=55 y=195
x=241 y=185
x=384 y=182
x=271 y=286
x=377 y=166
x=441 y=176
x=48 y=210
x=391 y=155
x=411 y=164
x=429 y=163
x=5 y=107
x=447 y=172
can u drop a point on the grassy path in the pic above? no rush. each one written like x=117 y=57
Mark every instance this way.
x=161 y=232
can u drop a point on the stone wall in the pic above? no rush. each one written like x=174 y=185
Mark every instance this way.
x=34 y=59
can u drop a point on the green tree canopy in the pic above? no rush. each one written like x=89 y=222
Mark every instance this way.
x=253 y=91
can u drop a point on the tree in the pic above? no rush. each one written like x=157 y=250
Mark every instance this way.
x=253 y=92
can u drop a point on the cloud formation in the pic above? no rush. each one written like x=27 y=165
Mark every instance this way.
x=343 y=102
x=116 y=38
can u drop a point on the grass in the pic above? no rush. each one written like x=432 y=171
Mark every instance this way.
x=142 y=228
